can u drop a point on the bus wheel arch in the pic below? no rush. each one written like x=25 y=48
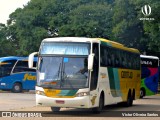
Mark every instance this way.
x=17 y=87
x=142 y=92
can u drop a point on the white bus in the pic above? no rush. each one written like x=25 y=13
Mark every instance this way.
x=86 y=73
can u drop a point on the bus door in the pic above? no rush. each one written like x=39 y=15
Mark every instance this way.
x=94 y=76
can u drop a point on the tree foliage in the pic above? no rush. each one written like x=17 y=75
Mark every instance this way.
x=117 y=20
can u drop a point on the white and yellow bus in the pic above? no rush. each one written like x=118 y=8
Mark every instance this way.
x=86 y=73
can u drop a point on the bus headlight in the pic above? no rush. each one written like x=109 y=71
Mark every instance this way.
x=81 y=94
x=40 y=92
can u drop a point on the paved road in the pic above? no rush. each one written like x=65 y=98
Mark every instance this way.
x=13 y=101
x=26 y=102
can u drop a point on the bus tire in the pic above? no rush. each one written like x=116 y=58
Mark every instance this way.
x=142 y=92
x=99 y=109
x=55 y=109
x=17 y=88
x=129 y=101
x=133 y=94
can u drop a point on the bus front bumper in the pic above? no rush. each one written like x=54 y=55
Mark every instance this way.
x=5 y=86
x=76 y=102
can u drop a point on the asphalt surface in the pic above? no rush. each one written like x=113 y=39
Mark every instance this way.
x=24 y=102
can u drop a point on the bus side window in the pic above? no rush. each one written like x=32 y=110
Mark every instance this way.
x=106 y=57
x=117 y=60
x=102 y=59
x=22 y=66
x=124 y=61
x=34 y=64
x=109 y=60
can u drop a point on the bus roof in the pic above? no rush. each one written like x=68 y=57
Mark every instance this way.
x=10 y=58
x=118 y=45
x=69 y=39
x=94 y=40
x=14 y=58
x=149 y=57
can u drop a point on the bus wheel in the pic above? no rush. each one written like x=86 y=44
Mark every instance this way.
x=142 y=93
x=101 y=105
x=129 y=101
x=17 y=88
x=55 y=109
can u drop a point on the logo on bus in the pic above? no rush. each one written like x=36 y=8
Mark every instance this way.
x=126 y=74
x=29 y=77
x=93 y=100
x=146 y=62
x=103 y=75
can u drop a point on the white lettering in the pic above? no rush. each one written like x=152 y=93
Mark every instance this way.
x=146 y=19
x=152 y=114
x=126 y=115
x=139 y=115
x=146 y=62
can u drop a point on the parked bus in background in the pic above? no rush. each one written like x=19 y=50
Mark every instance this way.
x=15 y=75
x=149 y=76
x=86 y=73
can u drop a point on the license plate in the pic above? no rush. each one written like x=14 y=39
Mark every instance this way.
x=60 y=101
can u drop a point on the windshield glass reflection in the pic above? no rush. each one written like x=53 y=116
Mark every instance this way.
x=63 y=72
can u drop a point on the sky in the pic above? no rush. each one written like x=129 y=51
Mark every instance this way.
x=9 y=6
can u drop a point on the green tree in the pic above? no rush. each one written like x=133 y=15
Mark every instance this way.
x=151 y=28
x=127 y=29
x=87 y=18
x=115 y=20
x=133 y=32
x=7 y=47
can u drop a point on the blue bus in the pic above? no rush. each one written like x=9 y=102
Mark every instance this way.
x=15 y=75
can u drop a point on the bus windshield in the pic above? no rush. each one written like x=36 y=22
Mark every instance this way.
x=6 y=67
x=62 y=72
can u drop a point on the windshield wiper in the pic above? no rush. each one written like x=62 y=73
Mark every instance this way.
x=62 y=75
x=59 y=69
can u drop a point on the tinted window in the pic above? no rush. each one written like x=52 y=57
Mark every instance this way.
x=6 y=67
x=112 y=57
x=22 y=66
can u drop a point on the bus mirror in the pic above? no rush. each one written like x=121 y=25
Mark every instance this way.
x=31 y=59
x=90 y=61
